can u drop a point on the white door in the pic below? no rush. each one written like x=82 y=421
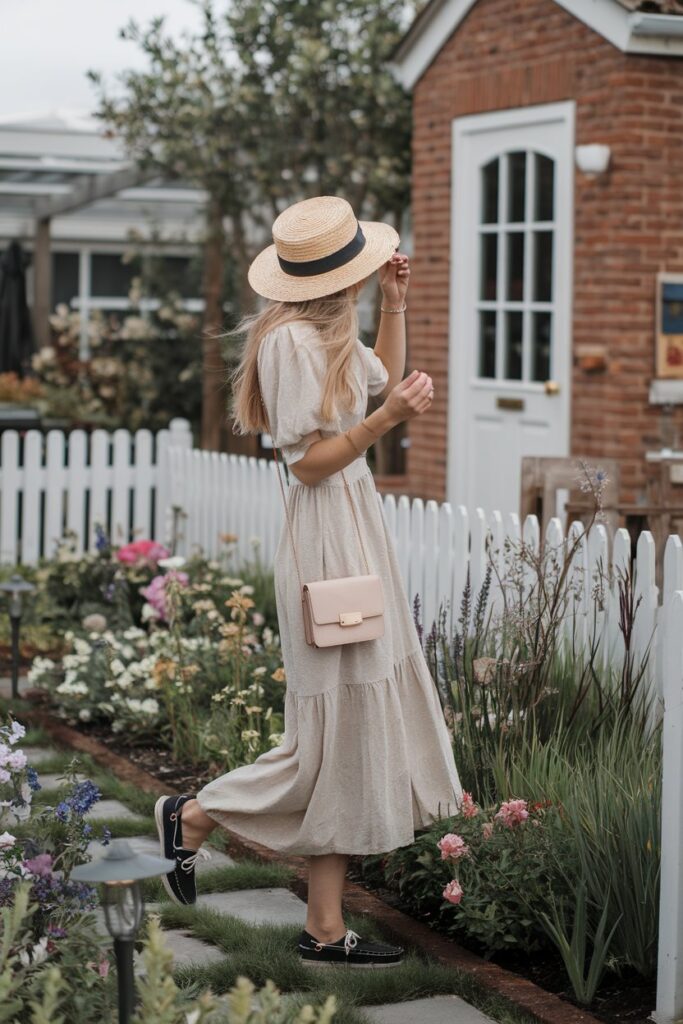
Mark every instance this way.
x=511 y=282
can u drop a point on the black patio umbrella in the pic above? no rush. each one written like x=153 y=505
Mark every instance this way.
x=16 y=334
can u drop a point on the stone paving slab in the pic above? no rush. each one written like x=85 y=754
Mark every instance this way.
x=149 y=844
x=188 y=950
x=38 y=755
x=258 y=906
x=106 y=810
x=435 y=1010
x=55 y=781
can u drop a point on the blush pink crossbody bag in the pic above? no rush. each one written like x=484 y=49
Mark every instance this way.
x=343 y=610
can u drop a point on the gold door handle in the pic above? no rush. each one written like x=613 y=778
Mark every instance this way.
x=552 y=387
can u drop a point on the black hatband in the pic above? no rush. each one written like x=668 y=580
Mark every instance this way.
x=309 y=268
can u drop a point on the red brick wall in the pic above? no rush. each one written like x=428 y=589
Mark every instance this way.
x=628 y=223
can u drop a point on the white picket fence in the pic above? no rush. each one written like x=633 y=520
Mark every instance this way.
x=53 y=482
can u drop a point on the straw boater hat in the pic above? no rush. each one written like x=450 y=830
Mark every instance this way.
x=320 y=247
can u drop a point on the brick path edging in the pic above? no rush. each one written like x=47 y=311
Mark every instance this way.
x=546 y=1007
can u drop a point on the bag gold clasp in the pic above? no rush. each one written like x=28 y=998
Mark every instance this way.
x=350 y=618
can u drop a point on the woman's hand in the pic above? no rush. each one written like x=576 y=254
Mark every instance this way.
x=394 y=278
x=411 y=397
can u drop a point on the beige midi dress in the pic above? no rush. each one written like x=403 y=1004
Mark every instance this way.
x=365 y=758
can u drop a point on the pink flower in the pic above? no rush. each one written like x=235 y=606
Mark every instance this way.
x=452 y=847
x=453 y=892
x=103 y=968
x=17 y=760
x=468 y=808
x=142 y=551
x=512 y=812
x=487 y=830
x=155 y=593
x=258 y=618
x=40 y=866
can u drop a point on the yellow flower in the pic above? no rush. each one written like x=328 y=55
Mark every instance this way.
x=254 y=710
x=278 y=675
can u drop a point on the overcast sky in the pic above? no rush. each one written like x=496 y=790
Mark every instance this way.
x=46 y=47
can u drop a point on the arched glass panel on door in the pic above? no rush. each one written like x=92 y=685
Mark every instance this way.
x=516 y=252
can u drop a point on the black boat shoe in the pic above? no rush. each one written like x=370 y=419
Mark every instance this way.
x=349 y=951
x=180 y=883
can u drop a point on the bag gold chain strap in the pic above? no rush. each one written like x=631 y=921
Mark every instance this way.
x=284 y=499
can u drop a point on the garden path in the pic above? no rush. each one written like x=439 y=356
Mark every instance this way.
x=259 y=908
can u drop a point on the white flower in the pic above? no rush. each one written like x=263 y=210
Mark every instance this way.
x=149 y=706
x=260 y=671
x=7 y=841
x=247 y=589
x=174 y=562
x=17 y=732
x=148 y=613
x=117 y=666
x=82 y=646
x=84 y=715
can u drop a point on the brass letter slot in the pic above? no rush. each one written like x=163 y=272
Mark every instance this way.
x=513 y=404
x=350 y=618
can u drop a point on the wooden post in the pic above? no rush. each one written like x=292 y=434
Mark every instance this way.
x=670 y=954
x=42 y=276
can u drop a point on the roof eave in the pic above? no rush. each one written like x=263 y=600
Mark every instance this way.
x=631 y=32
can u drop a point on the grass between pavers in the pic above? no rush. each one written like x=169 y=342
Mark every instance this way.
x=269 y=951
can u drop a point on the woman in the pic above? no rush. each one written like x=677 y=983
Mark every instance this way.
x=366 y=758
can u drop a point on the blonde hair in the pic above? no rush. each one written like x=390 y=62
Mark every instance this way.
x=336 y=319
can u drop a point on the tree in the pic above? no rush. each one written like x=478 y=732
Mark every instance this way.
x=269 y=102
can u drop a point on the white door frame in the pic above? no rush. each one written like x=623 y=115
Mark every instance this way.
x=460 y=366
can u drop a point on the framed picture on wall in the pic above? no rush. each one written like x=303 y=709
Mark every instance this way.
x=669 y=353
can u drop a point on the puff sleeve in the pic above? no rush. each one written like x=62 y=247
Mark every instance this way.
x=291 y=375
x=377 y=373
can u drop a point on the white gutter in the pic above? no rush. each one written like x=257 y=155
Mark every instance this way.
x=645 y=24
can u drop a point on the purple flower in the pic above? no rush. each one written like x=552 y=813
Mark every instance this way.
x=106 y=836
x=62 y=811
x=101 y=539
x=32 y=779
x=84 y=795
x=40 y=865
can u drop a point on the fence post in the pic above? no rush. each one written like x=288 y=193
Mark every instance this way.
x=178 y=435
x=670 y=952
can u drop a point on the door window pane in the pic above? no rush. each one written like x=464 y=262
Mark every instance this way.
x=515 y=266
x=111 y=278
x=513 y=346
x=64 y=277
x=487 y=344
x=543 y=266
x=545 y=188
x=517 y=198
x=540 y=346
x=489 y=266
x=489 y=192
x=516 y=186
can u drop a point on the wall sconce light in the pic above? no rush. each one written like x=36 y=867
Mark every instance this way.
x=593 y=159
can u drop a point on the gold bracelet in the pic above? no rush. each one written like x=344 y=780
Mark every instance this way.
x=351 y=442
x=369 y=430
x=401 y=310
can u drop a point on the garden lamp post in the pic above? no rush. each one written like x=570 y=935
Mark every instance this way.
x=15 y=586
x=121 y=870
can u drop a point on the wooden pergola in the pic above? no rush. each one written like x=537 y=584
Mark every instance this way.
x=87 y=189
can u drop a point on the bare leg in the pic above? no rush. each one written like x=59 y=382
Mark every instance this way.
x=196 y=825
x=324 y=920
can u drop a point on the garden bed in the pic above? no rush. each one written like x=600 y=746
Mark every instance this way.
x=533 y=985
